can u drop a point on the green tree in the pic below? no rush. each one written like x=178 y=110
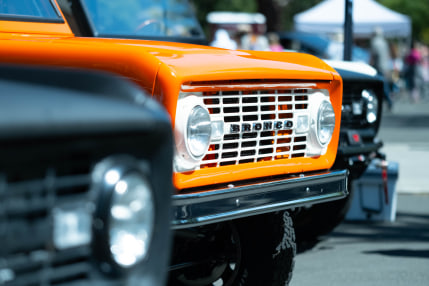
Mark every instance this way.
x=418 y=11
x=279 y=13
x=294 y=7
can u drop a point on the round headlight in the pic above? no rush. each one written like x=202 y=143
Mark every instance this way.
x=198 y=131
x=132 y=217
x=325 y=122
x=371 y=105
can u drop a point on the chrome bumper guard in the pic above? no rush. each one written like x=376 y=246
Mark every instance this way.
x=238 y=201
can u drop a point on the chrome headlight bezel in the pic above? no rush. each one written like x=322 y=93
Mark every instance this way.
x=319 y=108
x=325 y=123
x=198 y=131
x=193 y=132
x=371 y=105
x=122 y=183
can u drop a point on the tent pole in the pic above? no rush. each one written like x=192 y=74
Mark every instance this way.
x=348 y=30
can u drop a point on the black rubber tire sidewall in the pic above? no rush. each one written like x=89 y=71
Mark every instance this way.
x=268 y=250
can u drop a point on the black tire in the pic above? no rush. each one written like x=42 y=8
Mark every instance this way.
x=260 y=251
x=268 y=243
x=255 y=251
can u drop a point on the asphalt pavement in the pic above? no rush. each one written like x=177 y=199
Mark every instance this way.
x=382 y=252
x=374 y=253
x=405 y=134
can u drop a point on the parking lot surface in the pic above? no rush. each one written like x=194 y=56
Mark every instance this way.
x=382 y=253
x=371 y=253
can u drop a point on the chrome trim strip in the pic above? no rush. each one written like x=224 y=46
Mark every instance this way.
x=219 y=205
x=215 y=86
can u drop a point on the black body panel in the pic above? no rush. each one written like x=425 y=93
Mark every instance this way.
x=55 y=126
x=356 y=155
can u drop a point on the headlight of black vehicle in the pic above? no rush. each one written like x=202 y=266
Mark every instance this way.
x=371 y=105
x=83 y=201
x=125 y=214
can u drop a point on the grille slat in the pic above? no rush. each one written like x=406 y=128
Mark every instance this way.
x=26 y=230
x=352 y=95
x=257 y=114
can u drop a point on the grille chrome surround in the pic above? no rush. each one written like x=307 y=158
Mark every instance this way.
x=348 y=117
x=26 y=230
x=242 y=107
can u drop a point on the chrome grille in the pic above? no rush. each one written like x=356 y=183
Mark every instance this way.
x=255 y=106
x=352 y=98
x=29 y=256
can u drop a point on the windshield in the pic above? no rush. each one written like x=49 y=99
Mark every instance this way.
x=31 y=10
x=142 y=18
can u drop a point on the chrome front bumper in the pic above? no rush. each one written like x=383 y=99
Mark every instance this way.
x=238 y=201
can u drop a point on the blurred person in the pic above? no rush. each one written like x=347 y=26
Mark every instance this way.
x=242 y=30
x=380 y=59
x=254 y=41
x=223 y=40
x=425 y=70
x=274 y=42
x=412 y=61
x=397 y=67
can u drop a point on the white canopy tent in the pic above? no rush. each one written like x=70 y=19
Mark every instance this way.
x=328 y=18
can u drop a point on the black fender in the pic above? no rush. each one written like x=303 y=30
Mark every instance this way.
x=66 y=121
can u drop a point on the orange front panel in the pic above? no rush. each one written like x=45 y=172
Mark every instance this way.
x=215 y=174
x=162 y=68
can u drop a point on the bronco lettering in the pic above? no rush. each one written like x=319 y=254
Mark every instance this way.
x=258 y=126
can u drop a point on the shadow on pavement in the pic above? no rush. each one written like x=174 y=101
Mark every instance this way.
x=408 y=227
x=401 y=253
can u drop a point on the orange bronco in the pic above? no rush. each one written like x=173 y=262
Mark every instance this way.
x=255 y=132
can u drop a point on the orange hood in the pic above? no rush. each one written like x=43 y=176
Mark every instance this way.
x=193 y=62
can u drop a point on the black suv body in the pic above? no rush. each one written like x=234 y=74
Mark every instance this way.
x=358 y=145
x=63 y=134
x=358 y=134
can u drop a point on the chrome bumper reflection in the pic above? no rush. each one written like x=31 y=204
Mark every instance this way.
x=249 y=199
